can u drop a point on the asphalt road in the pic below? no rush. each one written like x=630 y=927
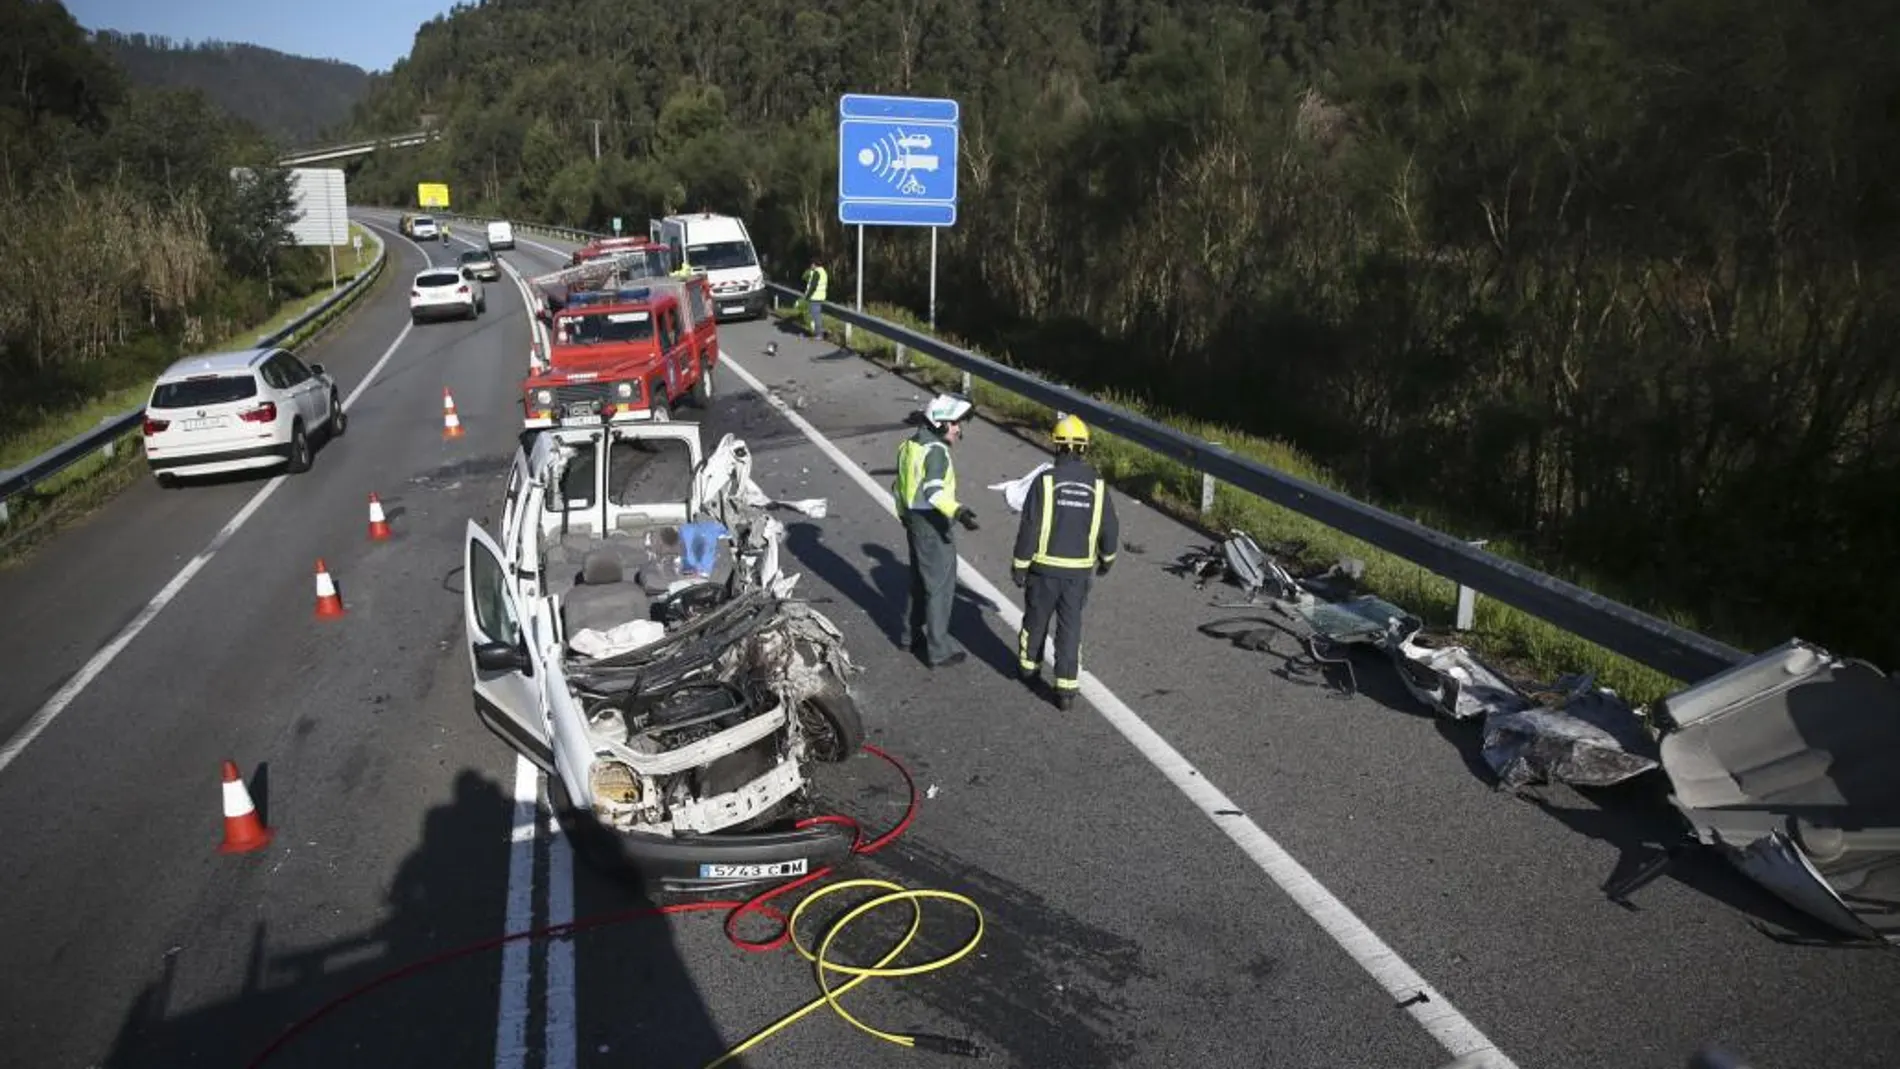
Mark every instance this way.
x=1124 y=925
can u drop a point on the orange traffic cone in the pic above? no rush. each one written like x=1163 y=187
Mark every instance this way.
x=328 y=604
x=451 y=424
x=243 y=831
x=378 y=524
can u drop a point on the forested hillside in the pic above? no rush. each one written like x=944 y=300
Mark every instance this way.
x=1614 y=279
x=294 y=99
x=122 y=236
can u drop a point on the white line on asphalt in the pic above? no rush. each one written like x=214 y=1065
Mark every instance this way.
x=511 y=1018
x=563 y=1044
x=1405 y=986
x=110 y=652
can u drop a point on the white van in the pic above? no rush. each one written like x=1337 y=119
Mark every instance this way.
x=720 y=246
x=501 y=235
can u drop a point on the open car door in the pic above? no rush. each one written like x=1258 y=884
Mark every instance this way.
x=507 y=700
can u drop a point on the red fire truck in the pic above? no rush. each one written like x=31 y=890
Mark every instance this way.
x=623 y=343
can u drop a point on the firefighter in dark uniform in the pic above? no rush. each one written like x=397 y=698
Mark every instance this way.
x=1068 y=535
x=926 y=498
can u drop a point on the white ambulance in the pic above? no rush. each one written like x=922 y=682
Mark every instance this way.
x=720 y=246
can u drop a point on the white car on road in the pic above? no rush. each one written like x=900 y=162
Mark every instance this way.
x=225 y=412
x=446 y=293
x=629 y=631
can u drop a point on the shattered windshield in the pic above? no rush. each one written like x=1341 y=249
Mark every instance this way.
x=721 y=255
x=594 y=328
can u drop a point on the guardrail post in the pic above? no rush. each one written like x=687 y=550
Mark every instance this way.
x=966 y=384
x=902 y=356
x=1467 y=597
x=3 y=514
x=111 y=446
x=1207 y=490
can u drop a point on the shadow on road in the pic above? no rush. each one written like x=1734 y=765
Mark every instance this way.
x=421 y=987
x=884 y=595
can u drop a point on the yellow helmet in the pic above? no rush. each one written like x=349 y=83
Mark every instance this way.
x=1070 y=430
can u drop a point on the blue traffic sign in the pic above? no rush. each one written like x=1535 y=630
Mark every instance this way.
x=897 y=160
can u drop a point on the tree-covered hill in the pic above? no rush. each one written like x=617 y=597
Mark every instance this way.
x=1616 y=279
x=294 y=99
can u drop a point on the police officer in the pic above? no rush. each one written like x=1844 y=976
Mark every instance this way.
x=1068 y=530
x=926 y=495
x=816 y=279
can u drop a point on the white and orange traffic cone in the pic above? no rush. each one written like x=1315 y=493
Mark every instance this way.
x=451 y=423
x=378 y=523
x=328 y=603
x=243 y=830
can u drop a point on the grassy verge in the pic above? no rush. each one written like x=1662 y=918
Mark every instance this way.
x=36 y=513
x=1513 y=641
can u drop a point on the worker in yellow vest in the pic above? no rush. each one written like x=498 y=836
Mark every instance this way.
x=1068 y=534
x=816 y=279
x=926 y=497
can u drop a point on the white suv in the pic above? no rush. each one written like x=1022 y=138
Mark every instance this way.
x=423 y=228
x=225 y=412
x=443 y=292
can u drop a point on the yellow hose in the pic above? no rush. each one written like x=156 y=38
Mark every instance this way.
x=859 y=973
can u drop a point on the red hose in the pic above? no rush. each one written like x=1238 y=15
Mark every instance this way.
x=737 y=908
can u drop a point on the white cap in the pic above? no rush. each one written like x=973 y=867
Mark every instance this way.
x=948 y=408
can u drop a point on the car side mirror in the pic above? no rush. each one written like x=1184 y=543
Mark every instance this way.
x=316 y=369
x=500 y=657
x=468 y=275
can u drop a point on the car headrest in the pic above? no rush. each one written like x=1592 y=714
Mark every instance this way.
x=601 y=568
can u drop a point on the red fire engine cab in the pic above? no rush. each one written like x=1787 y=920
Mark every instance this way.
x=623 y=344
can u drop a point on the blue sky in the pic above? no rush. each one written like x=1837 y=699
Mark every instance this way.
x=372 y=34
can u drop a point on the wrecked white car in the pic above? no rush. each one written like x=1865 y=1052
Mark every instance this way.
x=630 y=631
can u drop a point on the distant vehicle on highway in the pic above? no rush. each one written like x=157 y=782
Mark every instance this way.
x=482 y=262
x=424 y=228
x=501 y=235
x=630 y=631
x=446 y=293
x=236 y=411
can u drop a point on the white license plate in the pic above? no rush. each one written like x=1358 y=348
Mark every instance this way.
x=753 y=872
x=203 y=424
x=734 y=308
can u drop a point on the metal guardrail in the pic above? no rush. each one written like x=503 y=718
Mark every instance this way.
x=105 y=437
x=1669 y=649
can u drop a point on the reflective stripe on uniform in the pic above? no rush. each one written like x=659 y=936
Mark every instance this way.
x=1049 y=506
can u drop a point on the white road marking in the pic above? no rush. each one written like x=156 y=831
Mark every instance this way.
x=1433 y=1012
x=563 y=1043
x=102 y=660
x=511 y=1018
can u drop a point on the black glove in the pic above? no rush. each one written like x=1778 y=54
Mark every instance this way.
x=1102 y=567
x=966 y=518
x=1018 y=576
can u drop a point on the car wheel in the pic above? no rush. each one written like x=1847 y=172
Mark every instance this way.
x=339 y=419
x=834 y=730
x=165 y=480
x=299 y=450
x=703 y=389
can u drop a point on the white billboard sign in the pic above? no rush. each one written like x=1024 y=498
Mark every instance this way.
x=321 y=207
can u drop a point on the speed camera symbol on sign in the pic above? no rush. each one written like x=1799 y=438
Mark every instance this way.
x=896 y=156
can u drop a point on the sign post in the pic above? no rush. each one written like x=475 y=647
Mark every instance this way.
x=897 y=166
